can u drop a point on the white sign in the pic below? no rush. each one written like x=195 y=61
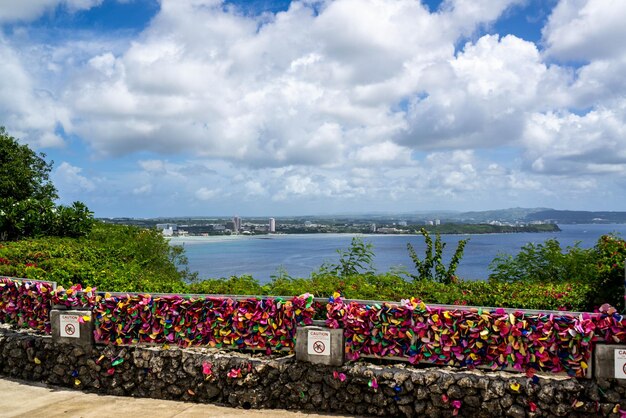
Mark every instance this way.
x=319 y=343
x=70 y=327
x=620 y=363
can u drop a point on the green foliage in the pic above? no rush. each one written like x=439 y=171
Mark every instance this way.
x=545 y=263
x=23 y=173
x=611 y=253
x=601 y=268
x=432 y=266
x=234 y=285
x=27 y=195
x=392 y=287
x=40 y=218
x=523 y=295
x=111 y=257
x=357 y=259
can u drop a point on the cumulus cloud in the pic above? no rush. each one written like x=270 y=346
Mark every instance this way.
x=328 y=103
x=11 y=11
x=594 y=143
x=308 y=86
x=480 y=97
x=69 y=176
x=204 y=193
x=30 y=113
x=585 y=30
x=145 y=189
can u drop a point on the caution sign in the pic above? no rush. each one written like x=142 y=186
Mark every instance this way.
x=319 y=343
x=620 y=363
x=70 y=327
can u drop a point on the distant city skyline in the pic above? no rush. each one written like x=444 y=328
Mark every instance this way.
x=157 y=108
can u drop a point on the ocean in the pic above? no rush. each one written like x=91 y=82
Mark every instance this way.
x=263 y=255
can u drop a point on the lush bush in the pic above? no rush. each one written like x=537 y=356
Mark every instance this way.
x=111 y=257
x=432 y=266
x=393 y=287
x=545 y=263
x=611 y=253
x=42 y=218
x=600 y=268
x=234 y=285
x=24 y=174
x=551 y=296
x=27 y=197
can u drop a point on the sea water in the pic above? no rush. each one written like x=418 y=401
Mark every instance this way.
x=300 y=254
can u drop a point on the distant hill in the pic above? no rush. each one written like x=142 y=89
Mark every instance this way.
x=577 y=216
x=511 y=215
x=502 y=215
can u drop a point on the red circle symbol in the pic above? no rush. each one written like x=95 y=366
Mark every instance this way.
x=70 y=329
x=319 y=347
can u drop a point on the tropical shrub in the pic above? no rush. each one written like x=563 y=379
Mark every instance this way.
x=111 y=257
x=432 y=266
x=545 y=263
x=600 y=268
x=610 y=281
x=27 y=197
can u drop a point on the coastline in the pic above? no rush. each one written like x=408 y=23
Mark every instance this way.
x=222 y=238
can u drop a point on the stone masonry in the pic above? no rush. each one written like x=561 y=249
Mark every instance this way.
x=253 y=381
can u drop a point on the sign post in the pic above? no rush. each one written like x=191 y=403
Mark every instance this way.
x=320 y=345
x=72 y=327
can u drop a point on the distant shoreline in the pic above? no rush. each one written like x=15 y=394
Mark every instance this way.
x=446 y=229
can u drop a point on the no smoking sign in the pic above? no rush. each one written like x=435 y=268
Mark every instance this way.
x=319 y=343
x=69 y=326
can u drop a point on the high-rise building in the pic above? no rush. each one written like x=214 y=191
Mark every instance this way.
x=272 y=225
x=237 y=223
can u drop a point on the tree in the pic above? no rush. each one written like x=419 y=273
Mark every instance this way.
x=545 y=262
x=432 y=266
x=601 y=267
x=27 y=197
x=23 y=172
x=358 y=259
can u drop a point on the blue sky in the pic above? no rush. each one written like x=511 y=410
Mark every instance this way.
x=205 y=107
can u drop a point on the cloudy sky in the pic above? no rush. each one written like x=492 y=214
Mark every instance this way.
x=271 y=107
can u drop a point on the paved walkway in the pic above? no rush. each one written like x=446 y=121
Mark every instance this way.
x=35 y=400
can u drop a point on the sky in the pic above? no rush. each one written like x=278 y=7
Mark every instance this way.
x=153 y=108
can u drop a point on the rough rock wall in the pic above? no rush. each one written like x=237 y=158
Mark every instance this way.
x=247 y=381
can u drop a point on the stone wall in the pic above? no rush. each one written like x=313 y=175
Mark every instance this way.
x=249 y=381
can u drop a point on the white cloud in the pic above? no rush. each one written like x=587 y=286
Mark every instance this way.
x=11 y=10
x=584 y=30
x=383 y=152
x=204 y=193
x=350 y=102
x=153 y=165
x=29 y=113
x=69 y=176
x=566 y=143
x=145 y=189
x=479 y=98
x=255 y=188
x=298 y=88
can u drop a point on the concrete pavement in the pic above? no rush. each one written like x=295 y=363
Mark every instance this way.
x=35 y=400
